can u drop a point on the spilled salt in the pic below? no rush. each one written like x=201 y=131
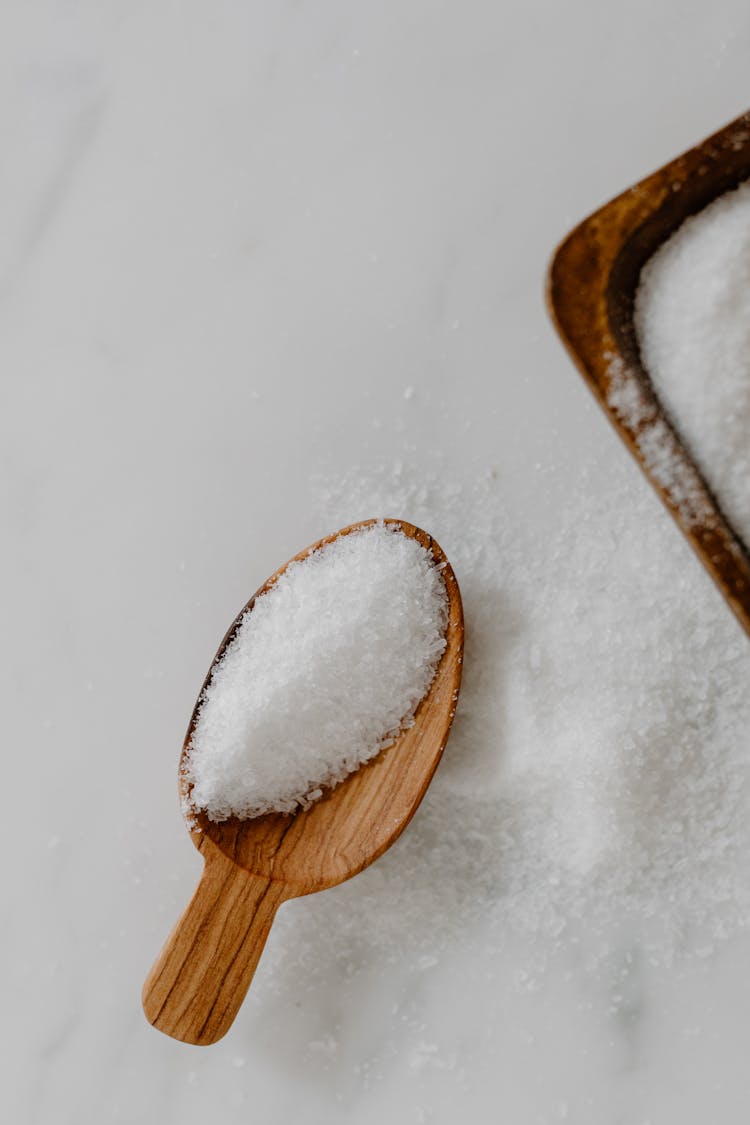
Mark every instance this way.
x=324 y=671
x=692 y=317
x=595 y=792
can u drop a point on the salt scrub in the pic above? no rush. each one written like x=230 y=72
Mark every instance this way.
x=324 y=671
x=692 y=317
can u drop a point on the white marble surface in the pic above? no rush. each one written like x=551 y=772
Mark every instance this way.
x=230 y=235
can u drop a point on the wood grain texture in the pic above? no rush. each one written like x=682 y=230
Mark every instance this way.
x=199 y=980
x=591 y=290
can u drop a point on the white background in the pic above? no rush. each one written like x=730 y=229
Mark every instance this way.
x=231 y=235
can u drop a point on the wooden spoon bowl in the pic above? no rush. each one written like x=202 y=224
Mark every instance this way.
x=200 y=978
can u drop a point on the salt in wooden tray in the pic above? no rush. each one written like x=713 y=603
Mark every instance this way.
x=591 y=288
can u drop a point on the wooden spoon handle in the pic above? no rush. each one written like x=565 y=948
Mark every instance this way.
x=200 y=978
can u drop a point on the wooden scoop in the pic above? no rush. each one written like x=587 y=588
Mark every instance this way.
x=200 y=978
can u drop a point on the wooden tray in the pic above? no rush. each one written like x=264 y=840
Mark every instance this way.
x=591 y=287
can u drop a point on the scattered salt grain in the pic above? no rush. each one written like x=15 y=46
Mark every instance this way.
x=324 y=671
x=692 y=317
x=327 y=1045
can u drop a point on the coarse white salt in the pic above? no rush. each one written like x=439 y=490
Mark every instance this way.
x=593 y=802
x=323 y=673
x=692 y=317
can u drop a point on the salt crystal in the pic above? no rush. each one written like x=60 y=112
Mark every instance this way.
x=324 y=671
x=423 y=1055
x=692 y=317
x=327 y=1045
